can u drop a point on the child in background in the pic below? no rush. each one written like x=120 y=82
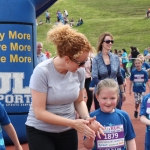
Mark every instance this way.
x=123 y=73
x=118 y=129
x=145 y=65
x=93 y=84
x=8 y=127
x=145 y=118
x=138 y=79
x=48 y=54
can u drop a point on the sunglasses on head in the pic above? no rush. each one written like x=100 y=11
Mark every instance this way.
x=77 y=62
x=108 y=41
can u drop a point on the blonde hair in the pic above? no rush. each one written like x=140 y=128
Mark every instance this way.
x=140 y=55
x=138 y=59
x=68 y=41
x=107 y=83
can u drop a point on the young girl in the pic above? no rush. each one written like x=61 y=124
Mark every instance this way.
x=145 y=65
x=138 y=79
x=119 y=133
x=145 y=118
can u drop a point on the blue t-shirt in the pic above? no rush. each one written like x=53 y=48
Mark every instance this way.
x=123 y=73
x=118 y=129
x=145 y=66
x=4 y=120
x=124 y=57
x=139 y=79
x=145 y=111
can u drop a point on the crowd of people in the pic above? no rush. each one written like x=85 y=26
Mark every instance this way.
x=58 y=110
x=60 y=18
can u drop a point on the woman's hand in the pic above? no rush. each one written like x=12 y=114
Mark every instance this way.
x=81 y=126
x=96 y=126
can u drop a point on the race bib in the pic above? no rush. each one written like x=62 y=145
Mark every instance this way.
x=148 y=107
x=113 y=139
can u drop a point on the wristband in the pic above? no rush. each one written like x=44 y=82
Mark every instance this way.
x=86 y=117
x=122 y=92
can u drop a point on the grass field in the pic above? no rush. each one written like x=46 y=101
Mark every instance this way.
x=125 y=19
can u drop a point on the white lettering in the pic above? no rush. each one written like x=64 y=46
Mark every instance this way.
x=5 y=81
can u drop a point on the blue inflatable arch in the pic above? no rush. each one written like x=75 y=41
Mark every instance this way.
x=18 y=58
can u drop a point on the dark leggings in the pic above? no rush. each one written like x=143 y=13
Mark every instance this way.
x=89 y=94
x=125 y=68
x=40 y=140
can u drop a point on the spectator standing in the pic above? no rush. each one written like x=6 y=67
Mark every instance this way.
x=8 y=127
x=40 y=56
x=47 y=15
x=106 y=64
x=65 y=13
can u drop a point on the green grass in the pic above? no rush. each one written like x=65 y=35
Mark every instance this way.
x=125 y=19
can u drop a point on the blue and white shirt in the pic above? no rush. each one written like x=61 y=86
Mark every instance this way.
x=145 y=111
x=41 y=58
x=117 y=128
x=139 y=79
x=4 y=120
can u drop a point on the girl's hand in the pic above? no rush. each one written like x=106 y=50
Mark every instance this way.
x=124 y=84
x=18 y=147
x=123 y=97
x=96 y=126
x=130 y=93
x=81 y=126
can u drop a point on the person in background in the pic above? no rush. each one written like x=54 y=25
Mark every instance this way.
x=116 y=51
x=57 y=86
x=66 y=13
x=145 y=118
x=134 y=54
x=120 y=54
x=8 y=127
x=47 y=15
x=147 y=57
x=125 y=61
x=148 y=13
x=138 y=81
x=119 y=104
x=72 y=22
x=119 y=132
x=48 y=54
x=88 y=70
x=80 y=22
x=145 y=65
x=106 y=64
x=145 y=51
x=40 y=56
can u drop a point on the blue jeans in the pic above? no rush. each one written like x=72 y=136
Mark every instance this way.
x=41 y=140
